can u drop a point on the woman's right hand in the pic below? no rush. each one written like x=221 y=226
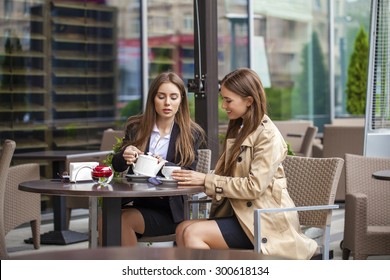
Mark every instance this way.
x=130 y=154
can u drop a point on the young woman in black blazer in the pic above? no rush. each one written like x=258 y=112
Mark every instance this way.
x=165 y=130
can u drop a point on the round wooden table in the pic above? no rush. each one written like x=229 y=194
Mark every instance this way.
x=112 y=195
x=60 y=235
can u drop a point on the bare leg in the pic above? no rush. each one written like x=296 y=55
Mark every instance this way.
x=180 y=229
x=132 y=222
x=201 y=234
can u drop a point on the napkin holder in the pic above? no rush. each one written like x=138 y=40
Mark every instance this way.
x=81 y=171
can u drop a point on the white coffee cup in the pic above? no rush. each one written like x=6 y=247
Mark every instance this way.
x=167 y=171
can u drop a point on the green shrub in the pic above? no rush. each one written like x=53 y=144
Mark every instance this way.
x=279 y=103
x=357 y=75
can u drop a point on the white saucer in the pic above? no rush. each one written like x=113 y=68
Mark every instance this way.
x=167 y=181
x=135 y=177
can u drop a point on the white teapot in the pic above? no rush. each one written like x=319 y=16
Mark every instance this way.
x=147 y=165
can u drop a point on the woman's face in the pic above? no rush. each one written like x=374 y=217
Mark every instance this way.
x=234 y=105
x=167 y=100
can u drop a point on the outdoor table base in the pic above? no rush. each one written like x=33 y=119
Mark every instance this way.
x=63 y=237
x=60 y=235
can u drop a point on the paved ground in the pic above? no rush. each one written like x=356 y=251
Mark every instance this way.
x=16 y=246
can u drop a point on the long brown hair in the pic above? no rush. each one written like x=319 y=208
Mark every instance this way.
x=244 y=82
x=188 y=128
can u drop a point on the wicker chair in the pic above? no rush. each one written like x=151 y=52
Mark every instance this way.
x=204 y=161
x=367 y=208
x=290 y=129
x=17 y=207
x=109 y=138
x=312 y=184
x=201 y=199
x=307 y=142
x=339 y=140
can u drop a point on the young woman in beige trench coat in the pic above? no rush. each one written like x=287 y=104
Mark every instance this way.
x=248 y=175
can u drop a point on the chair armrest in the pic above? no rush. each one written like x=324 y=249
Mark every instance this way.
x=202 y=200
x=298 y=135
x=355 y=219
x=257 y=212
x=19 y=206
x=199 y=198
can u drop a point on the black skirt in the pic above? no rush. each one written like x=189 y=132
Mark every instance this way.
x=233 y=233
x=157 y=215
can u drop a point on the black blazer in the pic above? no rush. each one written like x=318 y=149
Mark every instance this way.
x=176 y=203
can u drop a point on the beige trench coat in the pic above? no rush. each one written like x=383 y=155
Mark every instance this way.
x=259 y=182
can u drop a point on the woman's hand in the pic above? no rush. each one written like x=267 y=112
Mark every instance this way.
x=189 y=177
x=131 y=154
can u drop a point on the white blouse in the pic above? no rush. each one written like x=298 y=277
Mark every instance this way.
x=159 y=145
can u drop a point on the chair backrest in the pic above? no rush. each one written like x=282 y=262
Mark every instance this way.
x=289 y=127
x=5 y=161
x=312 y=181
x=359 y=179
x=204 y=160
x=109 y=138
x=307 y=142
x=339 y=140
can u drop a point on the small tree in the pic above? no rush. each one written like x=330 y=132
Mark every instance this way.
x=313 y=83
x=357 y=75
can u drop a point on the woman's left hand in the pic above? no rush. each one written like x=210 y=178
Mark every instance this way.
x=189 y=177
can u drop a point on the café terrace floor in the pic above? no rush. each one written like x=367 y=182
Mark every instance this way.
x=16 y=246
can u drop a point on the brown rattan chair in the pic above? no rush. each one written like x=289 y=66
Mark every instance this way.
x=17 y=207
x=204 y=161
x=312 y=184
x=307 y=142
x=339 y=140
x=200 y=201
x=293 y=131
x=367 y=208
x=109 y=138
